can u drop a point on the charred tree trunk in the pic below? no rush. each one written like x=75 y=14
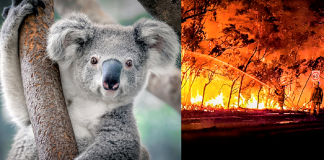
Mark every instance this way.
x=244 y=70
x=258 y=97
x=203 y=96
x=210 y=76
x=267 y=99
x=43 y=91
x=238 y=97
x=167 y=11
x=230 y=96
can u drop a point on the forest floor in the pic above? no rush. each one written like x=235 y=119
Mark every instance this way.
x=225 y=131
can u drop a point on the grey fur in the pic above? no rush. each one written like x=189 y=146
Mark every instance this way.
x=103 y=121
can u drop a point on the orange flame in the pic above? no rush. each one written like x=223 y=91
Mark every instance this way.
x=217 y=101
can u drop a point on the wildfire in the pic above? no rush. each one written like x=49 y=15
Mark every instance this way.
x=196 y=99
x=232 y=62
x=217 y=101
x=254 y=104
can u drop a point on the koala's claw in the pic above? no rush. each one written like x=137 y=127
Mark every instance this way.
x=35 y=3
x=15 y=3
x=41 y=4
x=5 y=12
x=25 y=7
x=35 y=11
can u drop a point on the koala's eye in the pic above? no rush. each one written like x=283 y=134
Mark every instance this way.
x=129 y=63
x=94 y=60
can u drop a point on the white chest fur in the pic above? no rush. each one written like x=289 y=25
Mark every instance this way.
x=85 y=115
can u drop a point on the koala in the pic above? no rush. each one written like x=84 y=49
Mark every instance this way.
x=103 y=68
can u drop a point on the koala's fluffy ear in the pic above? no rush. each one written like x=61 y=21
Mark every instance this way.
x=67 y=37
x=160 y=43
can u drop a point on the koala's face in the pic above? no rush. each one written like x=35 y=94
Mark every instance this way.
x=112 y=66
x=111 y=62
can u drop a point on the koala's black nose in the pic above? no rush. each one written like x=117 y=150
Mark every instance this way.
x=111 y=74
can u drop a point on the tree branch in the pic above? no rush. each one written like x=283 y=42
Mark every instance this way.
x=184 y=19
x=168 y=11
x=48 y=114
x=170 y=88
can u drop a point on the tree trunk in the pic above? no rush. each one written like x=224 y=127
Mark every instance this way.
x=168 y=88
x=168 y=11
x=267 y=99
x=238 y=97
x=43 y=91
x=230 y=96
x=244 y=70
x=203 y=96
x=258 y=97
x=170 y=92
x=210 y=78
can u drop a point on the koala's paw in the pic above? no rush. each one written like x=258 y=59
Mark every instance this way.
x=22 y=8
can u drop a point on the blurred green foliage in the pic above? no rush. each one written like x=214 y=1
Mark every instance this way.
x=159 y=127
x=127 y=22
